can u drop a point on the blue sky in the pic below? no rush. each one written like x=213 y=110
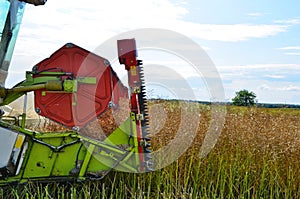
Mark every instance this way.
x=254 y=45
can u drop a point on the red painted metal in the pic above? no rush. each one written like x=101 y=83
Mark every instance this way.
x=127 y=55
x=90 y=100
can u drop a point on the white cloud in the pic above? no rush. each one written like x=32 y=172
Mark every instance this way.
x=229 y=32
x=88 y=24
x=293 y=53
x=255 y=14
x=206 y=48
x=282 y=87
x=260 y=66
x=264 y=87
x=94 y=21
x=295 y=21
x=266 y=91
x=289 y=88
x=278 y=92
x=290 y=48
x=274 y=83
x=275 y=76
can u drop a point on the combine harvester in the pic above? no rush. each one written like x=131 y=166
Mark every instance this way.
x=72 y=87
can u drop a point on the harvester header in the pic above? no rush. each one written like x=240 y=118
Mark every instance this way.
x=74 y=87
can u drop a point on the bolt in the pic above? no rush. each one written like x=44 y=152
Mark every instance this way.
x=35 y=68
x=111 y=104
x=38 y=110
x=106 y=62
x=69 y=45
x=75 y=128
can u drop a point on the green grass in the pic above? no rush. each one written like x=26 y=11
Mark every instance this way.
x=257 y=156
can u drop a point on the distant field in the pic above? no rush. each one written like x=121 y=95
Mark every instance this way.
x=256 y=156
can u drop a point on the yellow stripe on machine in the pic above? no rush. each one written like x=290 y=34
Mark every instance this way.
x=133 y=70
x=19 y=141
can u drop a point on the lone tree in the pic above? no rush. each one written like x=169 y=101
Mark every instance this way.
x=244 y=98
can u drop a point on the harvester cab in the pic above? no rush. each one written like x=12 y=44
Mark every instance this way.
x=73 y=88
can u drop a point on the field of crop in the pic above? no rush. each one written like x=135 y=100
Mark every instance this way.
x=256 y=156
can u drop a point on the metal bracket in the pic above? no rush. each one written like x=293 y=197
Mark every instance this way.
x=55 y=148
x=137 y=89
x=139 y=116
